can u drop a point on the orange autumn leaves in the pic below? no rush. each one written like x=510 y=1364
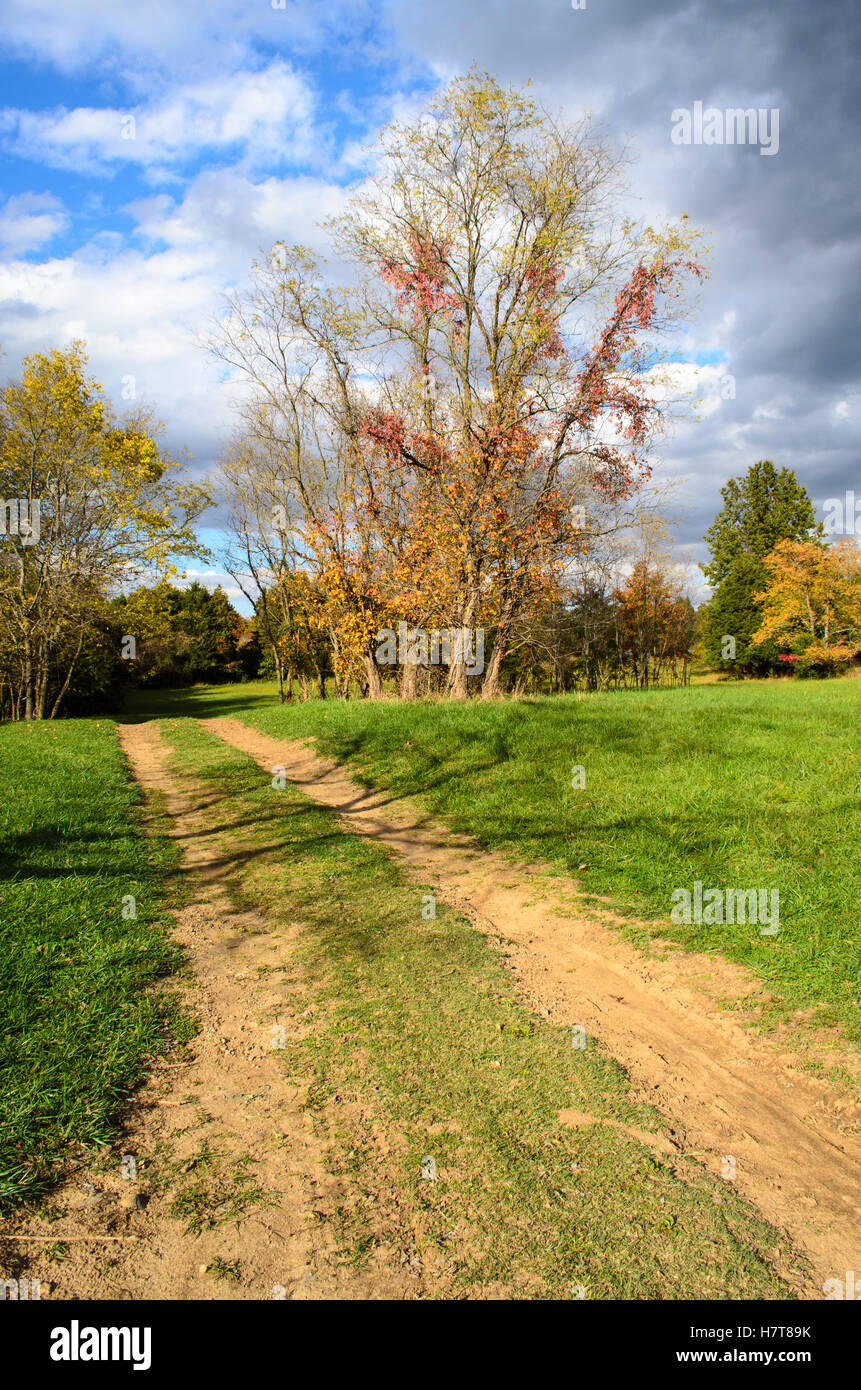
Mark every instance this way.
x=812 y=601
x=485 y=382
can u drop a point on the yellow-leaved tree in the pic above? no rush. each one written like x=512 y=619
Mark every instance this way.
x=87 y=502
x=812 y=601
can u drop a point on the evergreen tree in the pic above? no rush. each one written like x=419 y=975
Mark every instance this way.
x=734 y=613
x=763 y=507
x=210 y=626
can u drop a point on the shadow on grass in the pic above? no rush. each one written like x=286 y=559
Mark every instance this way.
x=22 y=856
x=194 y=702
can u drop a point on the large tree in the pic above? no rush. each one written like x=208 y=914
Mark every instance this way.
x=764 y=506
x=811 y=600
x=525 y=316
x=446 y=425
x=735 y=612
x=103 y=504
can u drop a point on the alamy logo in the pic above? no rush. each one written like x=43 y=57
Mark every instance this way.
x=843 y=1288
x=719 y=906
x=18 y=517
x=735 y=126
x=76 y=1343
x=415 y=647
x=16 y=1289
x=842 y=515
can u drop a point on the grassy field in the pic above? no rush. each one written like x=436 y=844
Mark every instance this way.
x=78 y=1012
x=749 y=785
x=416 y=1048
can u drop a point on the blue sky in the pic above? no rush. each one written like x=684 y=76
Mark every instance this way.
x=248 y=127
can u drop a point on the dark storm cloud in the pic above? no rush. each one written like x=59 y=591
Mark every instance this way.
x=785 y=229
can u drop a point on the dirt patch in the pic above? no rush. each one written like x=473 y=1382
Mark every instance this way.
x=738 y=1102
x=228 y=1195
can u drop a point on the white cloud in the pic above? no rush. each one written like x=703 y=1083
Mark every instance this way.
x=30 y=220
x=227 y=217
x=143 y=311
x=213 y=579
x=266 y=114
x=139 y=41
x=138 y=316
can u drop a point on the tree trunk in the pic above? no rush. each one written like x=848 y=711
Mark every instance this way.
x=28 y=679
x=279 y=672
x=458 y=684
x=373 y=678
x=42 y=691
x=65 y=685
x=491 y=688
x=409 y=681
x=458 y=687
x=321 y=684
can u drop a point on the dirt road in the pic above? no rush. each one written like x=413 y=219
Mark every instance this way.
x=223 y=1131
x=737 y=1101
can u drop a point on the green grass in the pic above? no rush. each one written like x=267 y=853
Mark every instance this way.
x=215 y=1191
x=200 y=701
x=747 y=785
x=412 y=1044
x=78 y=1012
